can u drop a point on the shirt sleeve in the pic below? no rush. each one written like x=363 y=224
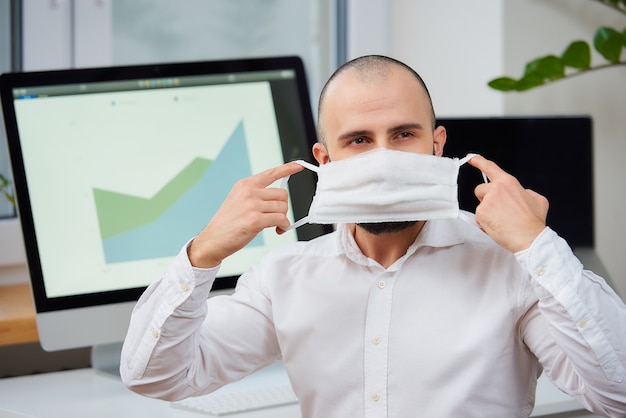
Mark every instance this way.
x=578 y=327
x=180 y=345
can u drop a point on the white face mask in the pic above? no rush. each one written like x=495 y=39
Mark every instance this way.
x=384 y=185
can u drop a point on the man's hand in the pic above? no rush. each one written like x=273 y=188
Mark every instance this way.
x=508 y=213
x=249 y=208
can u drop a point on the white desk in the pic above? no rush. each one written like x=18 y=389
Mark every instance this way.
x=89 y=393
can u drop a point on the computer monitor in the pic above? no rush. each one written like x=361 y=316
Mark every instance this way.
x=552 y=155
x=115 y=169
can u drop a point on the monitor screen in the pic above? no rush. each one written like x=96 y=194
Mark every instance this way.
x=115 y=169
x=548 y=154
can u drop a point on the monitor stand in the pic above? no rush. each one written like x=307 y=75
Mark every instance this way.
x=105 y=358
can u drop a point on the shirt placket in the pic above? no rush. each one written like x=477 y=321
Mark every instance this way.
x=376 y=345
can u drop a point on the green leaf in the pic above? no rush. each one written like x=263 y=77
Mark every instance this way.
x=608 y=42
x=624 y=35
x=528 y=82
x=549 y=67
x=503 y=84
x=577 y=55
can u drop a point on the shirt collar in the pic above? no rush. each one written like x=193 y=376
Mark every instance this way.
x=435 y=233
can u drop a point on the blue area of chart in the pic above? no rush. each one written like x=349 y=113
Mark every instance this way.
x=165 y=236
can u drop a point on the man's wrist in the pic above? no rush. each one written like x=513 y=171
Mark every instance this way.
x=198 y=259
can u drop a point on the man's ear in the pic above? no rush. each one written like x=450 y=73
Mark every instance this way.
x=439 y=140
x=320 y=153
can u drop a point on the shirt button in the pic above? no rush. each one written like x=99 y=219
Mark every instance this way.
x=155 y=334
x=381 y=284
x=376 y=340
x=582 y=323
x=539 y=271
x=375 y=397
x=184 y=287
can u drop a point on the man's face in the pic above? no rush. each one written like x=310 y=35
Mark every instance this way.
x=360 y=115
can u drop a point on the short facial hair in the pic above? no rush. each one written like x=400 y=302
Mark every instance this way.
x=380 y=228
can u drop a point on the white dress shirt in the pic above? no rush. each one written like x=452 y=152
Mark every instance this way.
x=457 y=327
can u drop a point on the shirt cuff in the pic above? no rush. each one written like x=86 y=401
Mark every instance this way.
x=550 y=261
x=187 y=287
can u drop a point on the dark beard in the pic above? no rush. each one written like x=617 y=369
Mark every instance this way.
x=379 y=228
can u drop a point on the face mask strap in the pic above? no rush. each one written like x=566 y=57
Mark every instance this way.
x=298 y=223
x=314 y=168
x=466 y=158
x=463 y=216
x=469 y=157
x=283 y=185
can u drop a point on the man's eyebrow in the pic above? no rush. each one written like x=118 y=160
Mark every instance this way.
x=353 y=134
x=406 y=127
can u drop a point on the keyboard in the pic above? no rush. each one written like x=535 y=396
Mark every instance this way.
x=221 y=404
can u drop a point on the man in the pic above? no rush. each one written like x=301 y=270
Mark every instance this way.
x=389 y=319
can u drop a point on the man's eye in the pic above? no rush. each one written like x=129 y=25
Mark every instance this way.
x=358 y=140
x=405 y=134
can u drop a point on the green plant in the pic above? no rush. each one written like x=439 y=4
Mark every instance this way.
x=4 y=186
x=575 y=60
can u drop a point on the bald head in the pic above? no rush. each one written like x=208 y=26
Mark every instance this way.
x=369 y=69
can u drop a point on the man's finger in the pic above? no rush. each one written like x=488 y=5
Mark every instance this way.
x=269 y=176
x=488 y=167
x=481 y=190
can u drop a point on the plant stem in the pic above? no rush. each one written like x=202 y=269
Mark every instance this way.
x=588 y=70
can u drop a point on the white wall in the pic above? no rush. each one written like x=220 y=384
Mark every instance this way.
x=456 y=46
x=455 y=54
